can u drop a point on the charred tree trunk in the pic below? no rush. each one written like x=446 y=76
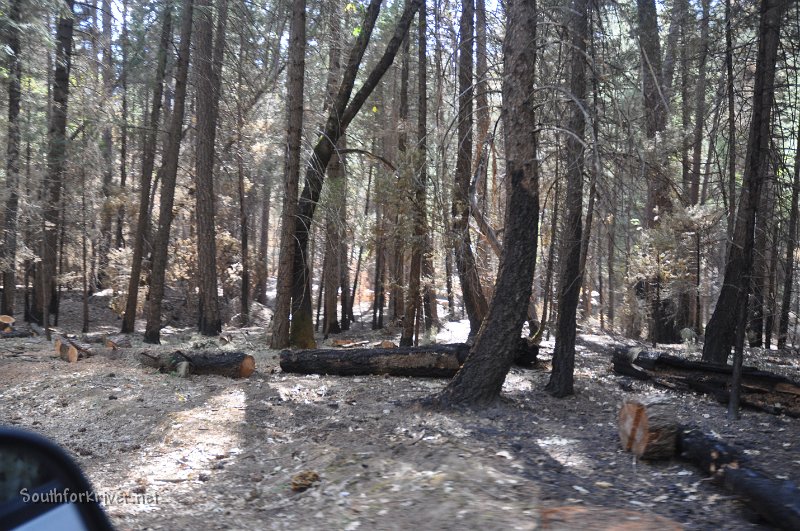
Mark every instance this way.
x=736 y=284
x=481 y=378
x=56 y=162
x=788 y=280
x=414 y=303
x=12 y=184
x=561 y=379
x=474 y=299
x=208 y=59
x=148 y=162
x=342 y=113
x=295 y=81
x=169 y=174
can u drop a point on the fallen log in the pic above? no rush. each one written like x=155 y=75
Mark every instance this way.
x=778 y=501
x=761 y=390
x=648 y=428
x=230 y=364
x=433 y=361
x=15 y=334
x=429 y=361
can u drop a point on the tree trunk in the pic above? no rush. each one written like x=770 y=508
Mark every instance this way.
x=731 y=119
x=295 y=82
x=148 y=161
x=471 y=291
x=342 y=113
x=169 y=174
x=56 y=162
x=414 y=303
x=788 y=280
x=655 y=107
x=12 y=183
x=262 y=265
x=561 y=379
x=736 y=284
x=481 y=378
x=208 y=67
x=119 y=240
x=107 y=151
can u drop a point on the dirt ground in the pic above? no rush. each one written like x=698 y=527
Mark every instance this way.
x=214 y=453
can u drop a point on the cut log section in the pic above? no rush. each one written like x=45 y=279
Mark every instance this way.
x=761 y=390
x=6 y=323
x=117 y=342
x=429 y=361
x=649 y=429
x=778 y=501
x=230 y=364
x=70 y=350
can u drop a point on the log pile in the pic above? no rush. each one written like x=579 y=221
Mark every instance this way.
x=70 y=350
x=761 y=390
x=183 y=364
x=650 y=430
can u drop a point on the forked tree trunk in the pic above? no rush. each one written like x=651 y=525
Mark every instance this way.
x=561 y=379
x=148 y=162
x=481 y=378
x=119 y=240
x=736 y=284
x=107 y=151
x=342 y=113
x=169 y=174
x=471 y=291
x=414 y=303
x=295 y=81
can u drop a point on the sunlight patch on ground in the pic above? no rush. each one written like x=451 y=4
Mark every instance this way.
x=192 y=441
x=517 y=383
x=456 y=332
x=563 y=451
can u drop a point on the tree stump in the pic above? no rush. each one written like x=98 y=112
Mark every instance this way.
x=648 y=428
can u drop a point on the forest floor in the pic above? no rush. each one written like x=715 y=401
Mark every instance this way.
x=207 y=452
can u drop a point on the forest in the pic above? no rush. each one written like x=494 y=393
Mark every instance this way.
x=284 y=191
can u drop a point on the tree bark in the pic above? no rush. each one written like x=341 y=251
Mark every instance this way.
x=570 y=277
x=12 y=183
x=107 y=151
x=414 y=303
x=148 y=162
x=480 y=380
x=295 y=82
x=56 y=162
x=207 y=83
x=169 y=174
x=471 y=290
x=342 y=113
x=736 y=284
x=788 y=280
